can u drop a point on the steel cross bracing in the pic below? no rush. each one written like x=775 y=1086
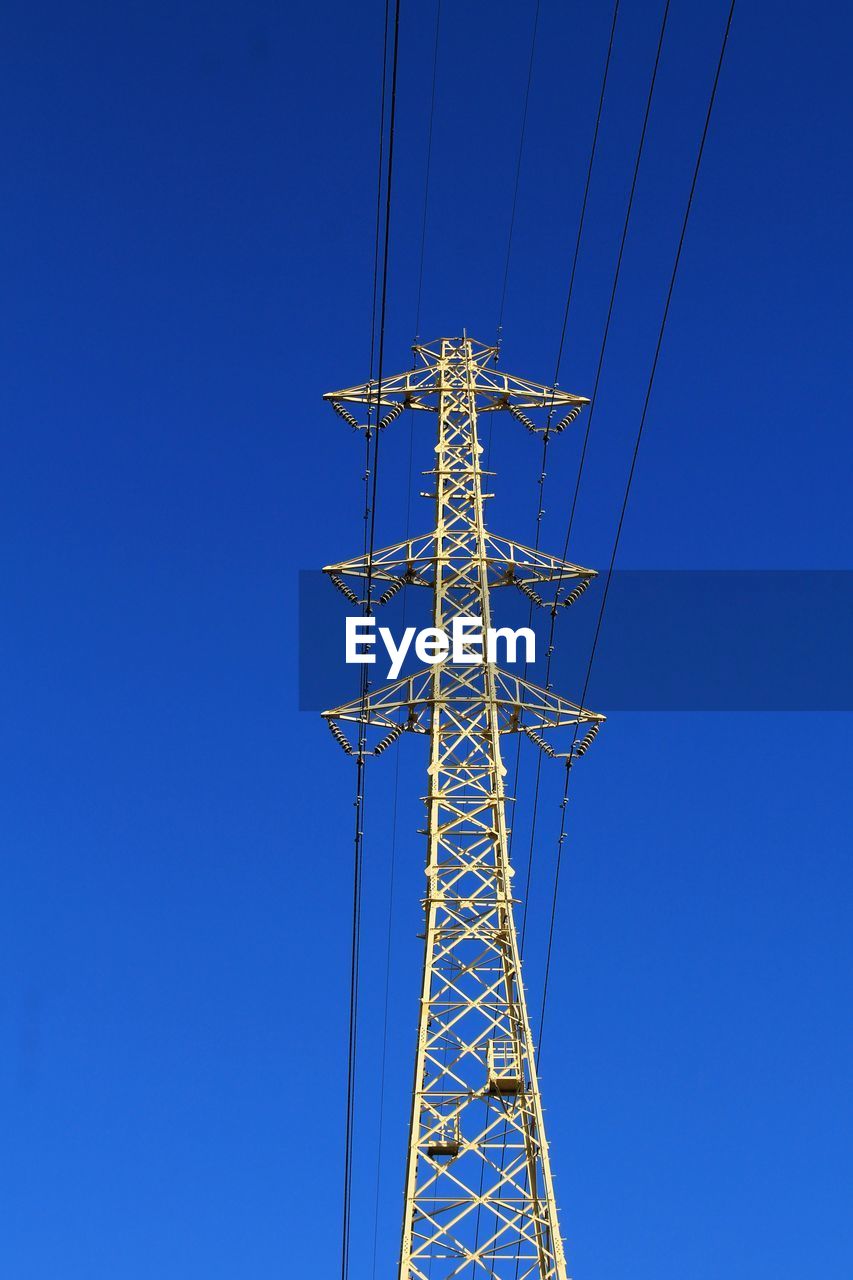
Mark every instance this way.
x=479 y=1195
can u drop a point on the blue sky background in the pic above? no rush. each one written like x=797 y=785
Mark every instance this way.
x=187 y=203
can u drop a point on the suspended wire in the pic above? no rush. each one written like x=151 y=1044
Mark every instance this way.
x=428 y=168
x=386 y=997
x=593 y=398
x=518 y=169
x=601 y=353
x=388 y=184
x=394 y=832
x=371 y=478
x=391 y=886
x=581 y=220
x=515 y=201
x=377 y=231
x=631 y=471
x=540 y=508
x=616 y=274
x=364 y=688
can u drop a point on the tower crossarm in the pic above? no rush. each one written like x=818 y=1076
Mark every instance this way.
x=508 y=563
x=422 y=388
x=411 y=704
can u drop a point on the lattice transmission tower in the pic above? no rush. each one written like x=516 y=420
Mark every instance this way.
x=479 y=1196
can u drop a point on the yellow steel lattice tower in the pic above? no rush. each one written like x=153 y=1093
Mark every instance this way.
x=479 y=1196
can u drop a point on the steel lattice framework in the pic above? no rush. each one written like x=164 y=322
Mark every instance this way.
x=479 y=1196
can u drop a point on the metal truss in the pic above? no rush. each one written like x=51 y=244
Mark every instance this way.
x=410 y=703
x=421 y=389
x=479 y=1195
x=507 y=563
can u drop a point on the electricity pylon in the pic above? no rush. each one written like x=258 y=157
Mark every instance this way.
x=479 y=1195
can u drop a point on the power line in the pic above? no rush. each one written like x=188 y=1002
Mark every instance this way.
x=616 y=274
x=405 y=602
x=540 y=508
x=512 y=213
x=391 y=885
x=428 y=167
x=582 y=217
x=518 y=169
x=631 y=471
x=371 y=523
x=599 y=367
x=377 y=231
x=381 y=1104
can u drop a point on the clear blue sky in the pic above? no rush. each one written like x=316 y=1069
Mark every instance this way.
x=187 y=202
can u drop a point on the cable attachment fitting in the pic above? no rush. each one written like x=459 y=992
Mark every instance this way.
x=575 y=594
x=346 y=415
x=344 y=589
